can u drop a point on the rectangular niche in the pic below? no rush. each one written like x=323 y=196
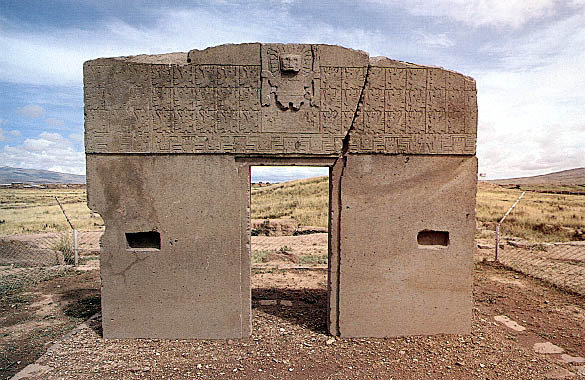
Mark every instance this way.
x=149 y=240
x=432 y=239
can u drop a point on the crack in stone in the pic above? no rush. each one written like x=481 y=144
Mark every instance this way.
x=343 y=156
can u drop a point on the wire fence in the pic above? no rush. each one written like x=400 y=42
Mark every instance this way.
x=35 y=257
x=561 y=264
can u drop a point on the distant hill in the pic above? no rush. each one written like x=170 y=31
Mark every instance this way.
x=33 y=176
x=564 y=177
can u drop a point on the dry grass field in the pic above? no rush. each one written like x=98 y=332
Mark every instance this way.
x=306 y=201
x=36 y=210
x=547 y=213
x=540 y=216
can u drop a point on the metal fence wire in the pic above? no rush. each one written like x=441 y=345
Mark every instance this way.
x=34 y=257
x=561 y=264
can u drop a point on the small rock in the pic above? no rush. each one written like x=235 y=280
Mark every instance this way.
x=330 y=341
x=559 y=373
x=267 y=302
x=572 y=359
x=286 y=302
x=547 y=348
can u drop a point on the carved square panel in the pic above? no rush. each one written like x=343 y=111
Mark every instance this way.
x=395 y=79
x=374 y=100
x=331 y=122
x=183 y=121
x=415 y=122
x=183 y=98
x=204 y=99
x=227 y=122
x=161 y=98
x=455 y=122
x=374 y=122
x=162 y=121
x=349 y=99
x=161 y=75
x=352 y=78
x=228 y=99
x=96 y=121
x=331 y=78
x=416 y=79
x=377 y=78
x=204 y=121
x=455 y=82
x=249 y=76
x=395 y=100
x=249 y=98
x=436 y=100
x=205 y=76
x=436 y=121
x=227 y=76
x=331 y=99
x=437 y=79
x=346 y=121
x=249 y=121
x=395 y=122
x=415 y=100
x=93 y=98
x=183 y=76
x=455 y=101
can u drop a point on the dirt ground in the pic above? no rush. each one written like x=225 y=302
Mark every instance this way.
x=35 y=318
x=289 y=337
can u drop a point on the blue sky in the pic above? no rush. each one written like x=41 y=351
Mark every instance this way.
x=527 y=56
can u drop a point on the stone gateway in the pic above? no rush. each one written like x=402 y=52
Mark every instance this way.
x=170 y=139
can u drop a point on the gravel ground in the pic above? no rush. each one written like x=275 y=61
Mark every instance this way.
x=289 y=340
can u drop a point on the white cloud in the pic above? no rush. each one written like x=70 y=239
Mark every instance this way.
x=440 y=40
x=77 y=137
x=31 y=110
x=54 y=122
x=530 y=110
x=499 y=13
x=49 y=151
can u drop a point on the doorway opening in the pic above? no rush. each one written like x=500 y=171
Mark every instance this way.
x=289 y=244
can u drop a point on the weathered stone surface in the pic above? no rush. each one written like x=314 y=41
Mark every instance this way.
x=389 y=284
x=197 y=284
x=275 y=98
x=415 y=109
x=170 y=140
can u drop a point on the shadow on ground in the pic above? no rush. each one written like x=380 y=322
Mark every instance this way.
x=308 y=309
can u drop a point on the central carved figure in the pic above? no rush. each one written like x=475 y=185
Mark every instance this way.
x=289 y=76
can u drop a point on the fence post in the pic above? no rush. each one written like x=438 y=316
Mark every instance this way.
x=75 y=249
x=500 y=223
x=497 y=241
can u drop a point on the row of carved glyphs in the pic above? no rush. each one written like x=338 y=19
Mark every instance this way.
x=225 y=100
x=137 y=141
